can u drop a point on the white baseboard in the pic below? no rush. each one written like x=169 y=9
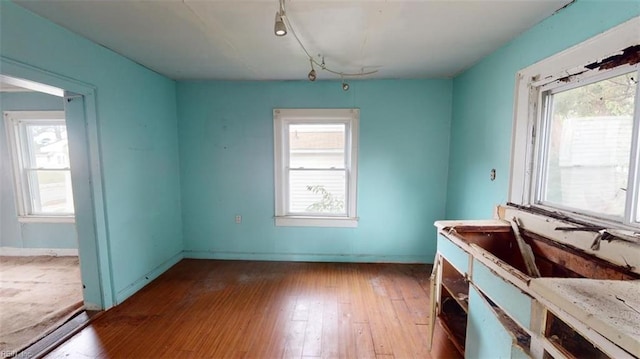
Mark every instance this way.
x=31 y=252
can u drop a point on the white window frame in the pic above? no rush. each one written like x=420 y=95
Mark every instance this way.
x=528 y=141
x=282 y=118
x=13 y=124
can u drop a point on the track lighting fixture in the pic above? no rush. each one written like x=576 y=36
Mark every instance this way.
x=345 y=85
x=312 y=73
x=282 y=23
x=279 y=28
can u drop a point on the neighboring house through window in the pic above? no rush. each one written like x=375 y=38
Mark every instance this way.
x=40 y=156
x=576 y=140
x=316 y=167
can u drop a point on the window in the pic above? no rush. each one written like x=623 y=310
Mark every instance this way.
x=316 y=167
x=576 y=136
x=586 y=156
x=40 y=157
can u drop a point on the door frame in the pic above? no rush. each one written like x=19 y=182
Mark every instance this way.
x=87 y=178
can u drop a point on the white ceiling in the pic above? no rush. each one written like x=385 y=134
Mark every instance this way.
x=234 y=39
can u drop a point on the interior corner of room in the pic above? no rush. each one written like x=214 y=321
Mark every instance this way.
x=172 y=168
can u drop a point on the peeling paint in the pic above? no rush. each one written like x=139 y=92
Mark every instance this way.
x=630 y=56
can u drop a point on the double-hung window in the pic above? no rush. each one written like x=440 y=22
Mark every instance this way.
x=577 y=132
x=316 y=167
x=40 y=156
x=587 y=162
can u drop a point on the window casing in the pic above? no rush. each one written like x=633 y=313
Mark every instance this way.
x=40 y=156
x=576 y=132
x=316 y=167
x=586 y=161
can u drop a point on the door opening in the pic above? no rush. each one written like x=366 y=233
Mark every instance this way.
x=50 y=178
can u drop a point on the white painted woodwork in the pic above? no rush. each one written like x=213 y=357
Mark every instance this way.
x=618 y=252
x=610 y=307
x=592 y=308
x=527 y=135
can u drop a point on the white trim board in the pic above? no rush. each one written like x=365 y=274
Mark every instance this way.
x=620 y=253
x=33 y=252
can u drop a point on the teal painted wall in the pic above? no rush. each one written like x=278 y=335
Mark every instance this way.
x=13 y=233
x=217 y=138
x=137 y=126
x=483 y=97
x=226 y=151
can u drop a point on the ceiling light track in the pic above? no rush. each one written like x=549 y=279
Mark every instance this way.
x=282 y=23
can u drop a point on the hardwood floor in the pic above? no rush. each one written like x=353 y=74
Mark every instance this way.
x=241 y=309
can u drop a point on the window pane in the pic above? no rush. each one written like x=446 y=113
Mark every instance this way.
x=51 y=192
x=316 y=146
x=317 y=192
x=590 y=145
x=47 y=146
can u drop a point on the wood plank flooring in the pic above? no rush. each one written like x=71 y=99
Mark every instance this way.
x=242 y=309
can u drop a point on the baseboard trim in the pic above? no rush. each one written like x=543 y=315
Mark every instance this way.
x=33 y=252
x=303 y=257
x=147 y=278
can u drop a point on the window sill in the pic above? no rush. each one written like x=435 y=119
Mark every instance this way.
x=47 y=219
x=300 y=221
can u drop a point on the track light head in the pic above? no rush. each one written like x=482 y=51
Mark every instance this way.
x=279 y=28
x=345 y=85
x=312 y=75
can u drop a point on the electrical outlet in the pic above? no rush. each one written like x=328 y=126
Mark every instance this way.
x=238 y=219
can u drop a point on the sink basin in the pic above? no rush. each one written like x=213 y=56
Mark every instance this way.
x=501 y=245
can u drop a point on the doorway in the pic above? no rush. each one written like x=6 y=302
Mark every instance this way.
x=40 y=285
x=91 y=253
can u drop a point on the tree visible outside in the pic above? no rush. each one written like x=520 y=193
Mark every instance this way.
x=327 y=204
x=611 y=97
